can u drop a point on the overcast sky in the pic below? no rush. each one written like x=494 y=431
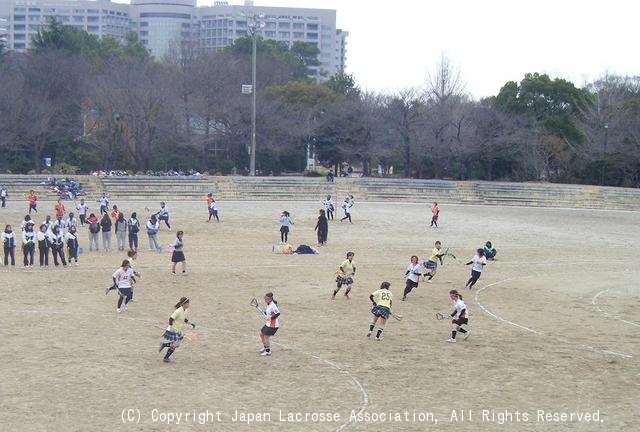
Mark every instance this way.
x=392 y=45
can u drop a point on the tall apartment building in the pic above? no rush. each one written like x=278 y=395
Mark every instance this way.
x=163 y=24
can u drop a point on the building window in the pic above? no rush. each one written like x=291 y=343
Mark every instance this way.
x=312 y=36
x=19 y=18
x=19 y=36
x=298 y=35
x=241 y=33
x=93 y=19
x=18 y=27
x=312 y=26
x=284 y=25
x=93 y=29
x=284 y=35
x=270 y=34
x=19 y=46
x=34 y=9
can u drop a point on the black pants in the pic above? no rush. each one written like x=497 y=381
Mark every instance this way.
x=58 y=251
x=29 y=252
x=73 y=252
x=9 y=252
x=43 y=252
x=83 y=219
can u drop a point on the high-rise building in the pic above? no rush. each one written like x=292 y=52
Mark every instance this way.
x=165 y=24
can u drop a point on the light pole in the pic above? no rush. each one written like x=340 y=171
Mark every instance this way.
x=604 y=153
x=255 y=23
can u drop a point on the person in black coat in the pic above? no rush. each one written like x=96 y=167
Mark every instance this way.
x=322 y=227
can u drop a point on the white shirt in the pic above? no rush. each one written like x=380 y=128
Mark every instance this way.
x=271 y=309
x=104 y=201
x=72 y=222
x=213 y=206
x=461 y=309
x=61 y=224
x=40 y=236
x=70 y=236
x=414 y=272
x=164 y=211
x=123 y=277
x=152 y=228
x=329 y=205
x=478 y=263
x=82 y=209
x=285 y=221
x=28 y=237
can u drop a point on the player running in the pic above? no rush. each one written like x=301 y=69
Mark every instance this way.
x=478 y=261
x=173 y=334
x=124 y=279
x=344 y=275
x=432 y=265
x=382 y=301
x=413 y=273
x=272 y=314
x=460 y=316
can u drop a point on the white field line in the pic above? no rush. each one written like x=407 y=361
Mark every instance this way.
x=354 y=380
x=530 y=330
x=594 y=301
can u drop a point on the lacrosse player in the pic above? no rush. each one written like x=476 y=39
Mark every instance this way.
x=177 y=255
x=489 y=251
x=432 y=264
x=382 y=300
x=163 y=215
x=459 y=315
x=272 y=314
x=344 y=275
x=213 y=208
x=124 y=279
x=478 y=261
x=329 y=207
x=173 y=334
x=285 y=222
x=436 y=212
x=346 y=208
x=413 y=273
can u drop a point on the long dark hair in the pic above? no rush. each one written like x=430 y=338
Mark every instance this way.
x=183 y=301
x=270 y=295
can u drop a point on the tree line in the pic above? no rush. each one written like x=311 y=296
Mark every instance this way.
x=96 y=104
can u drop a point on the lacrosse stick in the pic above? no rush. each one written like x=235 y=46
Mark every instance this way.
x=255 y=304
x=440 y=316
x=397 y=316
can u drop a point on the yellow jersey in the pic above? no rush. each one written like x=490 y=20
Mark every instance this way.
x=383 y=297
x=434 y=255
x=347 y=268
x=179 y=316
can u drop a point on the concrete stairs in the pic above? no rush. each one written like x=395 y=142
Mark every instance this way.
x=300 y=188
x=157 y=188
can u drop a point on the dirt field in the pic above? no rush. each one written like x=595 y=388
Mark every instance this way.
x=555 y=326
